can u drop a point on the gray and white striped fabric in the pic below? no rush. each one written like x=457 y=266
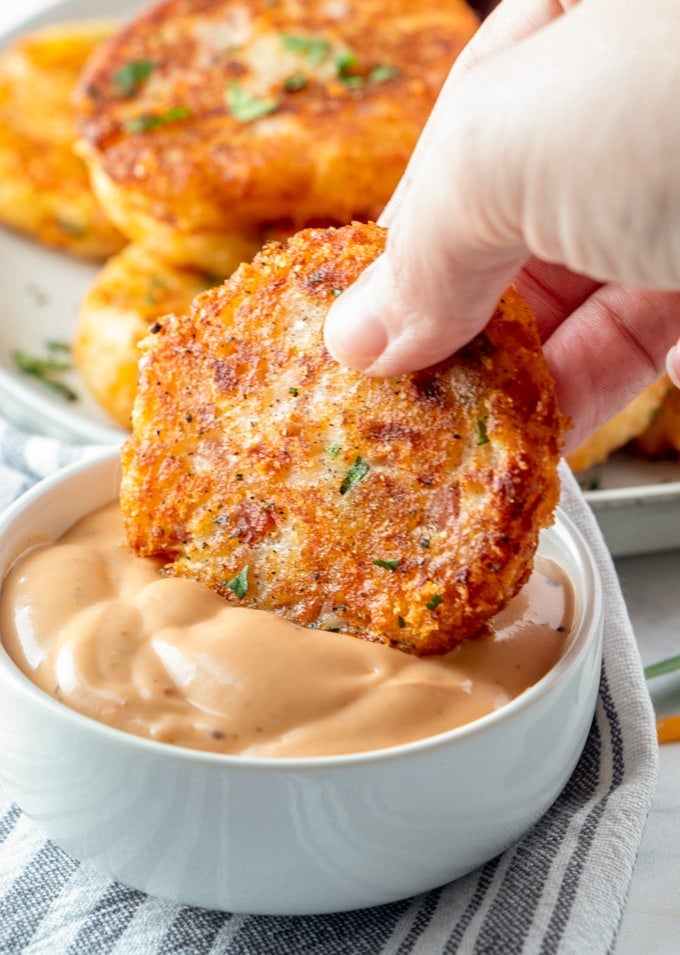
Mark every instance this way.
x=561 y=890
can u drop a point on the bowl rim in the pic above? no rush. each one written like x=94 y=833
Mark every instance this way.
x=589 y=619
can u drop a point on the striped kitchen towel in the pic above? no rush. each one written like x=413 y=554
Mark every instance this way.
x=561 y=889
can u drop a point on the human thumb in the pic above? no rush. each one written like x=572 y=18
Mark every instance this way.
x=403 y=313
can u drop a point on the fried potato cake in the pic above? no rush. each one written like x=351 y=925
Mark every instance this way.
x=45 y=190
x=41 y=70
x=632 y=421
x=661 y=439
x=131 y=292
x=205 y=118
x=403 y=510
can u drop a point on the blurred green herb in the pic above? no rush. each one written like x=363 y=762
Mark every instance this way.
x=246 y=107
x=48 y=370
x=312 y=48
x=142 y=124
x=130 y=77
x=383 y=72
x=662 y=667
x=295 y=82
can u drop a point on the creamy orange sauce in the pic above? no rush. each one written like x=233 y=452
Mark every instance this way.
x=105 y=633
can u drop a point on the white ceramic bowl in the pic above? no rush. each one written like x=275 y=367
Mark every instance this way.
x=289 y=836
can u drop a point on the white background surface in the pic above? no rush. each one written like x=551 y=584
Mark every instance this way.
x=651 y=585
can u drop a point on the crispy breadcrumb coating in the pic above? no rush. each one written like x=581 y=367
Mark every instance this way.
x=404 y=510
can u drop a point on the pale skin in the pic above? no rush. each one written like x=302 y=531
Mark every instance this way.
x=551 y=160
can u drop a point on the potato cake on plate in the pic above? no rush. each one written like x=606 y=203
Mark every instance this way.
x=208 y=118
x=45 y=189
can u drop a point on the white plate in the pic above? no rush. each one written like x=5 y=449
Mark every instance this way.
x=637 y=504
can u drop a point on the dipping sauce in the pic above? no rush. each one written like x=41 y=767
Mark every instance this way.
x=104 y=632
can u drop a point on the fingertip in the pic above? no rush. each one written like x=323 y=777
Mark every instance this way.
x=354 y=338
x=673 y=364
x=354 y=332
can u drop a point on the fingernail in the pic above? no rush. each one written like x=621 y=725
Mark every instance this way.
x=673 y=365
x=354 y=332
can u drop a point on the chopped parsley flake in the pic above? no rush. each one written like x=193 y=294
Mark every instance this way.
x=335 y=292
x=53 y=347
x=434 y=602
x=333 y=450
x=351 y=81
x=312 y=48
x=345 y=63
x=383 y=72
x=132 y=75
x=293 y=392
x=239 y=584
x=356 y=473
x=295 y=82
x=482 y=434
x=401 y=623
x=246 y=107
x=142 y=124
x=387 y=564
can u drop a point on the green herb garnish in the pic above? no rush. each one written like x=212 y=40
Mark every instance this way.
x=333 y=450
x=312 y=48
x=352 y=81
x=246 y=107
x=345 y=63
x=293 y=392
x=47 y=371
x=295 y=82
x=142 y=124
x=239 y=584
x=387 y=564
x=482 y=434
x=56 y=347
x=434 y=602
x=132 y=75
x=401 y=623
x=383 y=72
x=356 y=473
x=662 y=667
x=335 y=292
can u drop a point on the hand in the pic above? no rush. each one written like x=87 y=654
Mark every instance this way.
x=551 y=159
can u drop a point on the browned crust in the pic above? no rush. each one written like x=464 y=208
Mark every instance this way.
x=327 y=153
x=245 y=429
x=45 y=189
